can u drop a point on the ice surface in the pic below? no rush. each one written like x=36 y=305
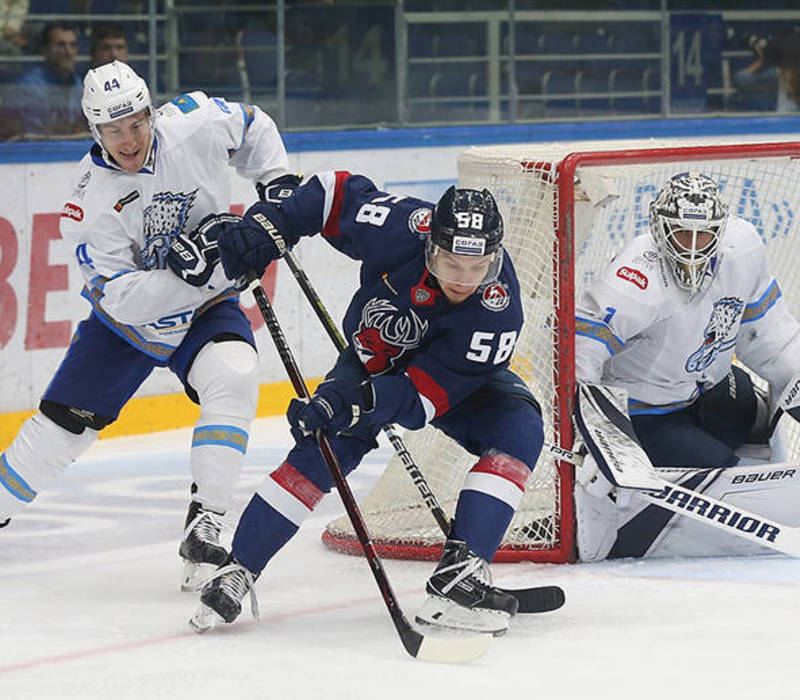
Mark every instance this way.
x=90 y=607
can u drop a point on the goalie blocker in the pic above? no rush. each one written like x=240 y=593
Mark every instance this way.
x=614 y=522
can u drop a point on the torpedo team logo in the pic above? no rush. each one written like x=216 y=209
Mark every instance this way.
x=385 y=333
x=419 y=221
x=495 y=297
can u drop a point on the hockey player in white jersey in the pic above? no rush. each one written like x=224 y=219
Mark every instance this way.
x=663 y=321
x=151 y=177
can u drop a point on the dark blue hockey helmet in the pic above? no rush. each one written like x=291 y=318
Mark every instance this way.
x=466 y=223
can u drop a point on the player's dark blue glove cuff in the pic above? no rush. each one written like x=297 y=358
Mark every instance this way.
x=278 y=189
x=255 y=242
x=336 y=407
x=194 y=255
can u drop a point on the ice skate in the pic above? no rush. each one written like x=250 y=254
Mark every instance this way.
x=461 y=595
x=221 y=599
x=200 y=549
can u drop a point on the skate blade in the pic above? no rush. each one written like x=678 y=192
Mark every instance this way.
x=204 y=619
x=442 y=614
x=195 y=576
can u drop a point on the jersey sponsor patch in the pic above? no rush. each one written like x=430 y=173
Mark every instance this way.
x=495 y=297
x=633 y=275
x=72 y=211
x=127 y=199
x=420 y=221
x=185 y=103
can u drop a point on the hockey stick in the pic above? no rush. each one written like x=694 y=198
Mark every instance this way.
x=531 y=600
x=426 y=648
x=624 y=463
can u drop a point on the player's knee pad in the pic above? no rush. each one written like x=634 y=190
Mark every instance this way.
x=39 y=453
x=224 y=377
x=514 y=428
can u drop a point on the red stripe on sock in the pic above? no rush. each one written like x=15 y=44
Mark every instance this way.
x=288 y=478
x=511 y=469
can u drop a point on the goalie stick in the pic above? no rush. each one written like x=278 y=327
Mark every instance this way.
x=536 y=599
x=608 y=434
x=440 y=649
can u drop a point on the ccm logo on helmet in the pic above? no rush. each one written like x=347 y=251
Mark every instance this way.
x=632 y=275
x=72 y=211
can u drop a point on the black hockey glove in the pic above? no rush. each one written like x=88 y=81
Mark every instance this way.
x=278 y=189
x=253 y=244
x=336 y=407
x=194 y=255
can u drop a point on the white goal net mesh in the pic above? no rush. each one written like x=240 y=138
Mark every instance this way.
x=559 y=239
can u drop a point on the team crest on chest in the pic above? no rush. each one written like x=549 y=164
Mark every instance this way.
x=495 y=297
x=717 y=336
x=385 y=334
x=164 y=219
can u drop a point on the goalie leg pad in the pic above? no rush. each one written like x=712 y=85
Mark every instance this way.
x=224 y=376
x=39 y=453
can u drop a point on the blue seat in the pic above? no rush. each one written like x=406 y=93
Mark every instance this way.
x=592 y=87
x=559 y=91
x=557 y=42
x=627 y=88
x=260 y=51
x=592 y=41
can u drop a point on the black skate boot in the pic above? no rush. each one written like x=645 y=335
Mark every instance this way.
x=200 y=548
x=461 y=595
x=221 y=599
x=5 y=522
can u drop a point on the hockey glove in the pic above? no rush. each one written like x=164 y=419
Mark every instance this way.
x=194 y=255
x=278 y=189
x=336 y=407
x=254 y=243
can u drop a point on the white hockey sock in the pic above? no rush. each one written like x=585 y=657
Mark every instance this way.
x=39 y=453
x=224 y=377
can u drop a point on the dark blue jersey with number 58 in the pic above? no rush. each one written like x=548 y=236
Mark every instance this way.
x=422 y=351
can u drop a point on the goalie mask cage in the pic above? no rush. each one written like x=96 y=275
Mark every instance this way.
x=565 y=215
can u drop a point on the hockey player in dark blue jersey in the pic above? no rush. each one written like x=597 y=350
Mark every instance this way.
x=431 y=331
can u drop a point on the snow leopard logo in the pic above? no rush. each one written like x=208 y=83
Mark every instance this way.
x=163 y=220
x=715 y=336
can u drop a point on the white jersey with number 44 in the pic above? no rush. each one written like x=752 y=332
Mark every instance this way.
x=119 y=225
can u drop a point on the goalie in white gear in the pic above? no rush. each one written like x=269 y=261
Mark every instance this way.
x=663 y=322
x=152 y=176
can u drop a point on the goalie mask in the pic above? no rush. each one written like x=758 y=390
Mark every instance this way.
x=687 y=220
x=465 y=243
x=111 y=92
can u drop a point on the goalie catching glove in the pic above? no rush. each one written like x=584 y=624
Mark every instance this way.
x=337 y=406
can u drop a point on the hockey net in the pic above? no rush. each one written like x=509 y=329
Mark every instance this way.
x=565 y=214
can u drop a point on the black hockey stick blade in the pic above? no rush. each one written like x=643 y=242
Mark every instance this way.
x=442 y=650
x=539 y=599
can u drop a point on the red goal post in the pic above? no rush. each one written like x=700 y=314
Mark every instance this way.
x=566 y=211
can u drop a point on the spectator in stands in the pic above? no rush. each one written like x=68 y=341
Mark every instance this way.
x=47 y=99
x=108 y=43
x=772 y=81
x=12 y=17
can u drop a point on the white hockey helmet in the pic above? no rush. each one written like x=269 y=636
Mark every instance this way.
x=113 y=91
x=687 y=220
